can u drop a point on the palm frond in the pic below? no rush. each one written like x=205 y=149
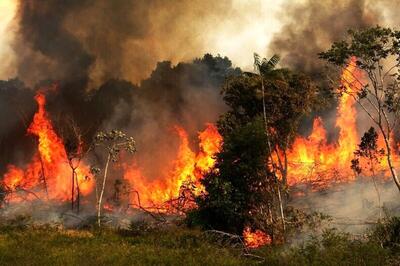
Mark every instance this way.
x=257 y=62
x=273 y=61
x=265 y=66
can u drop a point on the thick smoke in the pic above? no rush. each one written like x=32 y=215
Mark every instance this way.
x=185 y=95
x=47 y=50
x=93 y=50
x=311 y=26
x=93 y=41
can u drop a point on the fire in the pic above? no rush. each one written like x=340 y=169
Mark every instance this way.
x=188 y=168
x=210 y=144
x=48 y=175
x=255 y=239
x=313 y=159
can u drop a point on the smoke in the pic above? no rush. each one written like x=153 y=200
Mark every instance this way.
x=47 y=49
x=91 y=41
x=352 y=207
x=185 y=95
x=312 y=26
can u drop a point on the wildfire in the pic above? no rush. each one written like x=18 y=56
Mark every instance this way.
x=188 y=168
x=48 y=175
x=313 y=159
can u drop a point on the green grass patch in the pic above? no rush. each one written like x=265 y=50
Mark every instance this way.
x=46 y=246
x=180 y=246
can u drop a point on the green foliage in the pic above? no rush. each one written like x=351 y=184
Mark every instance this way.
x=387 y=233
x=368 y=149
x=237 y=184
x=288 y=96
x=241 y=190
x=369 y=45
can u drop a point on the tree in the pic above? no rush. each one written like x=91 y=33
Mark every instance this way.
x=266 y=69
x=237 y=186
x=75 y=149
x=265 y=110
x=114 y=142
x=286 y=98
x=375 y=53
x=368 y=150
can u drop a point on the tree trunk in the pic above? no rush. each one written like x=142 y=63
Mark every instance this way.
x=78 y=195
x=270 y=151
x=389 y=159
x=44 y=177
x=102 y=190
x=281 y=209
x=73 y=189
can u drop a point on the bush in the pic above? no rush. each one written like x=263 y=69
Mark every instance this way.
x=387 y=233
x=332 y=248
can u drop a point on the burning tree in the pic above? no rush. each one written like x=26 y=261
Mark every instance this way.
x=76 y=150
x=243 y=189
x=114 y=142
x=375 y=52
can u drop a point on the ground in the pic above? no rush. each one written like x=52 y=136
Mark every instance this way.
x=176 y=246
x=69 y=247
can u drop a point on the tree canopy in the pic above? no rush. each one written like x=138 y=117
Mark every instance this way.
x=241 y=190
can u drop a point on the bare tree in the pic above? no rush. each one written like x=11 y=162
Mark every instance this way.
x=72 y=137
x=113 y=142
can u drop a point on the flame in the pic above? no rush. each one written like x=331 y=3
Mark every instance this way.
x=255 y=239
x=313 y=159
x=187 y=168
x=48 y=175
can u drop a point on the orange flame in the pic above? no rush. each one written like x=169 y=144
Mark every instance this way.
x=48 y=173
x=187 y=168
x=312 y=159
x=255 y=239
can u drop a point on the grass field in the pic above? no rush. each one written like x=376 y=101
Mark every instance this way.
x=70 y=247
x=177 y=246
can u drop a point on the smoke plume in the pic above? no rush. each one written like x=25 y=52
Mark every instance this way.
x=312 y=26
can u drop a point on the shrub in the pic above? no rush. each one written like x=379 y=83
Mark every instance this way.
x=387 y=233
